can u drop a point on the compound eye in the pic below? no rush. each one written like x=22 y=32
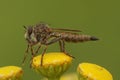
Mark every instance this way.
x=33 y=38
x=30 y=30
x=28 y=33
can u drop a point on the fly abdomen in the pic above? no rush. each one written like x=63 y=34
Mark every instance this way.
x=69 y=37
x=73 y=37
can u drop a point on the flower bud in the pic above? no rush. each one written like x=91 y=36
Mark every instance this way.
x=10 y=73
x=54 y=64
x=89 y=71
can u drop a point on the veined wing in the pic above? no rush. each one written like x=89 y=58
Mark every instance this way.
x=65 y=30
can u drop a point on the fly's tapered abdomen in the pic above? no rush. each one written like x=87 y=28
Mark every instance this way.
x=74 y=37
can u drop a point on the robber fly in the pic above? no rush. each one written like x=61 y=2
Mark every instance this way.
x=42 y=34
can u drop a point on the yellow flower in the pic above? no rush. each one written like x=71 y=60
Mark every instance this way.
x=54 y=64
x=91 y=71
x=10 y=73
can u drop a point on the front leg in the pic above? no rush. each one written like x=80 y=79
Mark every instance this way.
x=33 y=54
x=26 y=53
x=43 y=54
x=38 y=49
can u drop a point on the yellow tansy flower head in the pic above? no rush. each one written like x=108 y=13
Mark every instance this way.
x=91 y=71
x=54 y=64
x=10 y=73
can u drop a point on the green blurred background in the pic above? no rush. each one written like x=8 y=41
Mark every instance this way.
x=100 y=18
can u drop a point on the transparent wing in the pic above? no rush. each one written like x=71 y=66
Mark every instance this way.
x=68 y=30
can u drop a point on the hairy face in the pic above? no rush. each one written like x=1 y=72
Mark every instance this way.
x=30 y=35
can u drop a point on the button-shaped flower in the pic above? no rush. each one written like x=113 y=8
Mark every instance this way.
x=10 y=73
x=54 y=64
x=89 y=71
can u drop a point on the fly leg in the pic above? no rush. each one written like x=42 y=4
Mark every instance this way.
x=33 y=54
x=62 y=48
x=53 y=40
x=37 y=49
x=48 y=43
x=43 y=55
x=26 y=53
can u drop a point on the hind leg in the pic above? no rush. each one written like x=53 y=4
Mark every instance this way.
x=62 y=48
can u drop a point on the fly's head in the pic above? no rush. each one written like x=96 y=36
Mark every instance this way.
x=30 y=35
x=37 y=33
